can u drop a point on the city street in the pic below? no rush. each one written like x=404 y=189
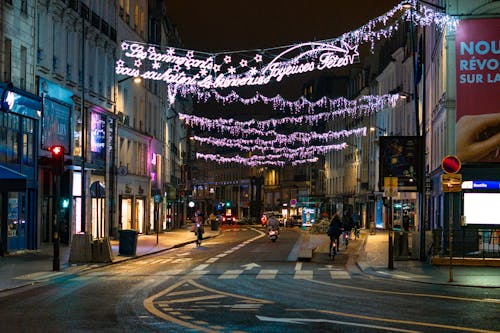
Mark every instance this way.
x=240 y=281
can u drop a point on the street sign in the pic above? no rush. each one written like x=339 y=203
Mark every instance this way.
x=451 y=182
x=390 y=186
x=451 y=164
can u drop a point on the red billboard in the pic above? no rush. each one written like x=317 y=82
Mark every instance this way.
x=478 y=90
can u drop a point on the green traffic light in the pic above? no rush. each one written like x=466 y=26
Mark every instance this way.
x=65 y=203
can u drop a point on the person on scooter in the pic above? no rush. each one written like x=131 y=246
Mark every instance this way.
x=272 y=223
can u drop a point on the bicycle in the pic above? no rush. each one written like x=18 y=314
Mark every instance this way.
x=333 y=250
x=345 y=238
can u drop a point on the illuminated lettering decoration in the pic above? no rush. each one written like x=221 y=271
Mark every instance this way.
x=183 y=68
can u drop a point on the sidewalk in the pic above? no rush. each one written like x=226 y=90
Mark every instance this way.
x=368 y=254
x=33 y=267
x=373 y=259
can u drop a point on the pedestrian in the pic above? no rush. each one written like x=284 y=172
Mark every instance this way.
x=334 y=230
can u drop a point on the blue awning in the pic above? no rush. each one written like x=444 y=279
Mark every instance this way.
x=11 y=180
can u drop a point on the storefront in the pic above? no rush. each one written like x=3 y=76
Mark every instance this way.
x=20 y=114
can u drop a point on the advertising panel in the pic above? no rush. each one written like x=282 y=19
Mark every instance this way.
x=478 y=83
x=399 y=158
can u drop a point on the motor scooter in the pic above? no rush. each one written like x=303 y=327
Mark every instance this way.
x=273 y=234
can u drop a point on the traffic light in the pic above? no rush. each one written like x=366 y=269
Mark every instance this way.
x=65 y=203
x=228 y=204
x=57 y=159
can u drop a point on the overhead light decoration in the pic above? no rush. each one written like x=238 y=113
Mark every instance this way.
x=247 y=68
x=278 y=102
x=200 y=74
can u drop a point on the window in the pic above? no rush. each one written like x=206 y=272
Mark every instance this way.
x=7 y=74
x=23 y=68
x=28 y=141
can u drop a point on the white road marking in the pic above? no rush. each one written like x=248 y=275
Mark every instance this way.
x=231 y=274
x=267 y=274
x=307 y=275
x=340 y=275
x=319 y=320
x=200 y=267
x=298 y=266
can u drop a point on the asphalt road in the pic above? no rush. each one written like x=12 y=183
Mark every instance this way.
x=242 y=282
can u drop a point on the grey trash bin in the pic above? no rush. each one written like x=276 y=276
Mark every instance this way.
x=128 y=242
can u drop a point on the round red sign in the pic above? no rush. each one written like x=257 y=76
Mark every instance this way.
x=451 y=164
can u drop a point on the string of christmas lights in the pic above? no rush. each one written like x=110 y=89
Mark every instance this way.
x=280 y=103
x=282 y=140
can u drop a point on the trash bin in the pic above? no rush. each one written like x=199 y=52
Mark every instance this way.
x=128 y=242
x=214 y=224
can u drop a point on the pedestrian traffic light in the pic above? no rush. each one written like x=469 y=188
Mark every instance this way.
x=57 y=159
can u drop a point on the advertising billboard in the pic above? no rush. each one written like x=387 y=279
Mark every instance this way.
x=399 y=157
x=478 y=83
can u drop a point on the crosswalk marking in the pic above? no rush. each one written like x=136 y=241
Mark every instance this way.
x=267 y=274
x=195 y=274
x=303 y=274
x=231 y=274
x=340 y=275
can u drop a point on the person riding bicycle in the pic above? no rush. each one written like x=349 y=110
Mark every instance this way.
x=334 y=230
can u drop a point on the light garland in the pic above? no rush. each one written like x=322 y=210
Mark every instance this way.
x=220 y=70
x=278 y=102
x=252 y=161
x=303 y=138
x=363 y=106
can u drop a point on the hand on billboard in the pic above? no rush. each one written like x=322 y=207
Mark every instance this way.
x=478 y=137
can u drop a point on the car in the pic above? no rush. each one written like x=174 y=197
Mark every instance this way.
x=229 y=219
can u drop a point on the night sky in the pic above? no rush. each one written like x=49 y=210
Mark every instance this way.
x=229 y=25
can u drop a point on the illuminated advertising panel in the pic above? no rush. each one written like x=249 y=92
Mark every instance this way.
x=478 y=83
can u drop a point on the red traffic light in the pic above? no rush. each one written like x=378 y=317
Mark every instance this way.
x=57 y=150
x=451 y=164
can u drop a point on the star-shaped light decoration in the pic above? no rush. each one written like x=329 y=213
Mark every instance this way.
x=231 y=70
x=216 y=68
x=253 y=71
x=125 y=46
x=352 y=52
x=156 y=65
x=151 y=49
x=171 y=51
x=177 y=68
x=227 y=59
x=190 y=54
x=203 y=72
x=137 y=63
x=120 y=63
x=243 y=63
x=258 y=58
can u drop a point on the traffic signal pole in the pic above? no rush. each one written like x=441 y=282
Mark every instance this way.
x=55 y=223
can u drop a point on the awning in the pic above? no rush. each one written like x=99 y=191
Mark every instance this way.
x=11 y=180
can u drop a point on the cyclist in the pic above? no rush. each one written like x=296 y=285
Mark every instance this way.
x=347 y=228
x=334 y=231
